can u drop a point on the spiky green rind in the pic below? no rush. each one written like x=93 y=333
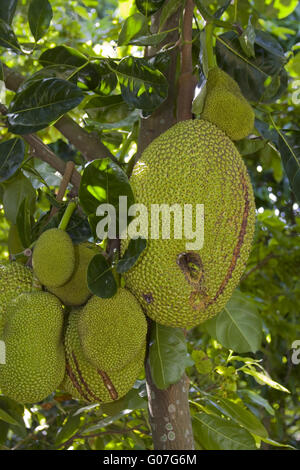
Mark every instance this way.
x=76 y=292
x=35 y=361
x=112 y=330
x=53 y=258
x=15 y=278
x=226 y=107
x=88 y=383
x=193 y=162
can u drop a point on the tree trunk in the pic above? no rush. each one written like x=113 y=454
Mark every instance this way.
x=169 y=412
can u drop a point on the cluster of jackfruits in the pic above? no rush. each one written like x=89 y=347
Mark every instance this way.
x=193 y=162
x=225 y=105
x=95 y=352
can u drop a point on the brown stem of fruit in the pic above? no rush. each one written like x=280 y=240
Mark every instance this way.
x=70 y=166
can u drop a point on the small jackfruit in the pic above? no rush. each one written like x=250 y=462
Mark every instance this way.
x=89 y=383
x=192 y=163
x=226 y=107
x=112 y=330
x=53 y=258
x=76 y=292
x=34 y=361
x=15 y=278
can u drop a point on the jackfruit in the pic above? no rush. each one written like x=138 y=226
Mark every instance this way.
x=112 y=330
x=76 y=292
x=226 y=107
x=35 y=362
x=91 y=384
x=15 y=278
x=53 y=258
x=192 y=163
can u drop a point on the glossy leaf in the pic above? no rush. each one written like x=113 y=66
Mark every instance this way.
x=11 y=156
x=168 y=9
x=142 y=86
x=134 y=26
x=4 y=416
x=39 y=17
x=107 y=109
x=24 y=222
x=103 y=182
x=7 y=10
x=41 y=103
x=15 y=190
x=215 y=433
x=167 y=355
x=238 y=326
x=69 y=428
x=8 y=39
x=252 y=73
x=131 y=255
x=100 y=278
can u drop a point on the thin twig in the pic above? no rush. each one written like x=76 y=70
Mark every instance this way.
x=70 y=166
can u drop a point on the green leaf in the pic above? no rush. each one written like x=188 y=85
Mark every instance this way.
x=149 y=40
x=263 y=379
x=269 y=61
x=100 y=278
x=215 y=433
x=107 y=109
x=15 y=191
x=142 y=86
x=134 y=26
x=41 y=103
x=131 y=255
x=257 y=400
x=202 y=362
x=238 y=326
x=148 y=7
x=167 y=355
x=24 y=222
x=7 y=418
x=239 y=414
x=39 y=17
x=290 y=155
x=8 y=38
x=132 y=401
x=103 y=182
x=11 y=156
x=7 y=10
x=69 y=428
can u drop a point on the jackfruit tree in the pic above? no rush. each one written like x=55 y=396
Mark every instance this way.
x=149 y=220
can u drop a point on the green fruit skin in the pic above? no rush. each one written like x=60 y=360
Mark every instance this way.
x=193 y=162
x=76 y=292
x=112 y=330
x=53 y=258
x=88 y=383
x=35 y=360
x=15 y=279
x=226 y=107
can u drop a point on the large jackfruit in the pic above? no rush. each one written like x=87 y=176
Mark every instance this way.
x=226 y=107
x=193 y=162
x=76 y=292
x=112 y=330
x=35 y=362
x=89 y=383
x=53 y=258
x=14 y=280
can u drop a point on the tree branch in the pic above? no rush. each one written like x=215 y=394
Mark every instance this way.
x=187 y=81
x=88 y=144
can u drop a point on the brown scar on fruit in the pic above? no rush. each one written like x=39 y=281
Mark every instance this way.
x=82 y=379
x=191 y=265
x=148 y=297
x=108 y=384
x=75 y=382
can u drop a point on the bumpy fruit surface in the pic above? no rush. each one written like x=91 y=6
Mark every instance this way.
x=193 y=162
x=112 y=330
x=53 y=258
x=76 y=292
x=226 y=107
x=89 y=383
x=14 y=280
x=35 y=361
